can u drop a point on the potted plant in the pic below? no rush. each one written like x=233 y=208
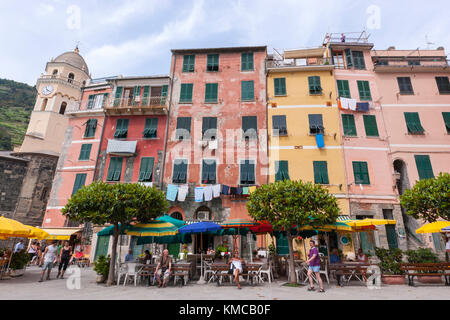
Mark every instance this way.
x=19 y=261
x=101 y=266
x=390 y=260
x=422 y=255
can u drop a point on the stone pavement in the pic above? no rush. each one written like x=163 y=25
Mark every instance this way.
x=27 y=287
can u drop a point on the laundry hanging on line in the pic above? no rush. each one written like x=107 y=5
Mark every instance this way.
x=183 y=192
x=172 y=191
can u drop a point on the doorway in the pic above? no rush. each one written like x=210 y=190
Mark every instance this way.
x=203 y=242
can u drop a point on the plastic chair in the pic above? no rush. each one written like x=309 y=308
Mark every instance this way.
x=121 y=272
x=324 y=268
x=131 y=272
x=267 y=271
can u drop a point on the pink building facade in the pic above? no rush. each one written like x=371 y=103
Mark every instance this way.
x=415 y=103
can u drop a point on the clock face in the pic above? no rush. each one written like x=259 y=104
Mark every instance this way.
x=47 y=90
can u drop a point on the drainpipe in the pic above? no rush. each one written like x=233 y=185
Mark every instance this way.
x=168 y=120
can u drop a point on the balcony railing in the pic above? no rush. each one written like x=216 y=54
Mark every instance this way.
x=290 y=63
x=59 y=79
x=157 y=104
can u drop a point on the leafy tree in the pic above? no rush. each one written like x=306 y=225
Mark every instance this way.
x=5 y=140
x=116 y=204
x=429 y=199
x=288 y=204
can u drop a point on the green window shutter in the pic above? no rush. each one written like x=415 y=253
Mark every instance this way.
x=314 y=85
x=443 y=85
x=446 y=116
x=118 y=96
x=186 y=92
x=164 y=93
x=145 y=96
x=343 y=89
x=85 y=152
x=209 y=172
x=413 y=123
x=348 y=122
x=121 y=128
x=183 y=131
x=348 y=57
x=279 y=123
x=90 y=104
x=247 y=61
x=211 y=92
x=115 y=169
x=250 y=127
x=370 y=124
x=151 y=128
x=282 y=168
x=91 y=126
x=209 y=127
x=364 y=91
x=247 y=91
x=280 y=86
x=136 y=94
x=247 y=172
x=361 y=172
x=146 y=170
x=189 y=63
x=404 y=85
x=424 y=167
x=105 y=99
x=80 y=181
x=212 y=63
x=316 y=124
x=179 y=171
x=358 y=60
x=321 y=172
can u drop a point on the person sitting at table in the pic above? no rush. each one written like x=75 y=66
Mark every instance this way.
x=236 y=267
x=163 y=268
x=147 y=257
x=129 y=256
x=362 y=258
x=210 y=251
x=334 y=257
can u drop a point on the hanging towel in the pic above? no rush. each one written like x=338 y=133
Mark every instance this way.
x=216 y=191
x=343 y=103
x=199 y=194
x=208 y=192
x=245 y=191
x=182 y=192
x=239 y=191
x=225 y=190
x=320 y=141
x=251 y=189
x=363 y=106
x=233 y=191
x=172 y=191
x=352 y=104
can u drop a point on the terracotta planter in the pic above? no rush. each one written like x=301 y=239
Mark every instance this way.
x=429 y=279
x=393 y=279
x=100 y=278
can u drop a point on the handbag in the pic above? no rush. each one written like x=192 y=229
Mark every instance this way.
x=231 y=270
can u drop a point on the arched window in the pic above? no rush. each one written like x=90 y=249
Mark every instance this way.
x=44 y=104
x=55 y=73
x=71 y=77
x=62 y=109
x=177 y=215
x=203 y=214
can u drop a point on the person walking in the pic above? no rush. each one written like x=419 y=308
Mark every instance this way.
x=50 y=255
x=65 y=256
x=314 y=266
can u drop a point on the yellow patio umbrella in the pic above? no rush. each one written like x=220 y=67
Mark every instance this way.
x=13 y=229
x=369 y=222
x=434 y=227
x=36 y=233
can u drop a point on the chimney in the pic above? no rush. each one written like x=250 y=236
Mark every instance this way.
x=391 y=48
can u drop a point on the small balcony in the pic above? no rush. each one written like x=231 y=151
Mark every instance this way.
x=137 y=105
x=49 y=79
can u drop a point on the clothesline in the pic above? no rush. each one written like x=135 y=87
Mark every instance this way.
x=206 y=192
x=354 y=105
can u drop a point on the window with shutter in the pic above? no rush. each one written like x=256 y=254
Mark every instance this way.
x=364 y=91
x=115 y=169
x=146 y=170
x=348 y=122
x=136 y=96
x=151 y=128
x=247 y=172
x=250 y=127
x=211 y=92
x=247 y=91
x=446 y=116
x=361 y=172
x=209 y=128
x=121 y=129
x=282 y=170
x=321 y=172
x=316 y=124
x=370 y=124
x=279 y=126
x=80 y=181
x=146 y=96
x=186 y=92
x=118 y=96
x=413 y=123
x=91 y=126
x=105 y=99
x=85 y=152
x=443 y=85
x=280 y=86
x=314 y=85
x=189 y=63
x=424 y=168
x=209 y=172
x=343 y=89
x=90 y=104
x=183 y=131
x=247 y=61
x=348 y=57
x=404 y=85
x=358 y=60
x=179 y=171
x=212 y=64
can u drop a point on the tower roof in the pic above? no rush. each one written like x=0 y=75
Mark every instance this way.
x=74 y=59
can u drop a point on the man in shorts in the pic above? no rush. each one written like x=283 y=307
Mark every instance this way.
x=50 y=254
x=163 y=268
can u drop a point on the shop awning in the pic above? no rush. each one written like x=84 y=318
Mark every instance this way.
x=121 y=147
x=61 y=233
x=304 y=53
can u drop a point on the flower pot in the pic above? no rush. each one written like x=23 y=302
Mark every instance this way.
x=429 y=279
x=100 y=278
x=393 y=279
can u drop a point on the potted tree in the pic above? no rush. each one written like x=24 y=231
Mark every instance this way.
x=390 y=260
x=422 y=255
x=18 y=264
x=101 y=266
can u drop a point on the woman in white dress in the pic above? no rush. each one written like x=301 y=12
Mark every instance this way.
x=236 y=266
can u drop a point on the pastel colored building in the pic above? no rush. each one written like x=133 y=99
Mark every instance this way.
x=217 y=130
x=302 y=111
x=415 y=103
x=370 y=175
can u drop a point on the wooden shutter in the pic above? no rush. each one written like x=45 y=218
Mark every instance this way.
x=413 y=122
x=247 y=61
x=424 y=167
x=443 y=84
x=280 y=86
x=250 y=126
x=364 y=90
x=118 y=96
x=315 y=124
x=80 y=181
x=186 y=92
x=189 y=63
x=211 y=92
x=209 y=172
x=91 y=126
x=279 y=123
x=404 y=85
x=85 y=152
x=283 y=170
x=115 y=169
x=361 y=172
x=247 y=91
x=348 y=122
x=183 y=123
x=348 y=57
x=321 y=172
x=90 y=104
x=343 y=89
x=446 y=116
x=146 y=170
x=358 y=60
x=179 y=171
x=151 y=128
x=212 y=63
x=314 y=85
x=370 y=124
x=209 y=127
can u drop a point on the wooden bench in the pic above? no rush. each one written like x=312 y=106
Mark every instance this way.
x=181 y=271
x=426 y=269
x=148 y=270
x=249 y=271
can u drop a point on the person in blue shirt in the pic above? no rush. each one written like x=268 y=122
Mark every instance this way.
x=334 y=257
x=129 y=256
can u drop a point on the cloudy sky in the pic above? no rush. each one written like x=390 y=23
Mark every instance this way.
x=134 y=37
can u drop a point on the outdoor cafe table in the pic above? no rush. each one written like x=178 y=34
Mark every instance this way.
x=249 y=269
x=349 y=269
